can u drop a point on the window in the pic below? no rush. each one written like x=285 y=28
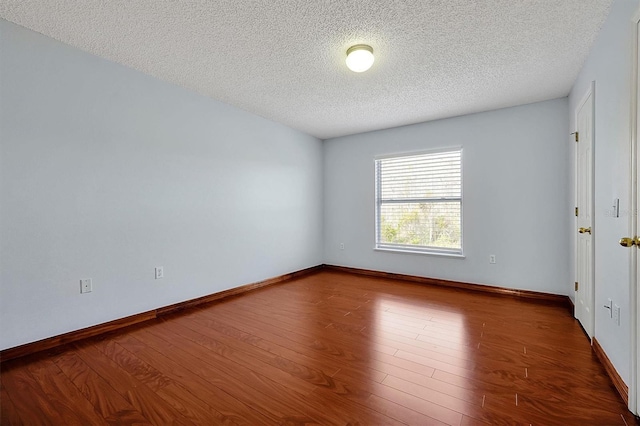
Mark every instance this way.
x=419 y=202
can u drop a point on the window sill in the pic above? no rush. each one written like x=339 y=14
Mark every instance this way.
x=426 y=253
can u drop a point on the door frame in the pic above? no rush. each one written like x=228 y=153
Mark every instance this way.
x=591 y=91
x=634 y=293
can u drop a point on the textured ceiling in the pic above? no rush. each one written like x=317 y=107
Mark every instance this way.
x=284 y=59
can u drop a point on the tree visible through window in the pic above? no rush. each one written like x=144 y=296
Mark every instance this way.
x=419 y=202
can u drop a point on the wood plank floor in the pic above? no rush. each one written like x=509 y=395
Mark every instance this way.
x=329 y=348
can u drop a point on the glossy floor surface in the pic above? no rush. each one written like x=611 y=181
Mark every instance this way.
x=329 y=348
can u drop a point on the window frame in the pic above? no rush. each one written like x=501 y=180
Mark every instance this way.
x=406 y=248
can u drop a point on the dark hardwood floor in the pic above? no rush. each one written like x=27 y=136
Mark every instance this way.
x=329 y=348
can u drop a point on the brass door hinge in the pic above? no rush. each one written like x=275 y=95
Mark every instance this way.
x=576 y=134
x=576 y=212
x=576 y=286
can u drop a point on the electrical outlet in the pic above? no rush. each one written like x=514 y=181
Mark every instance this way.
x=159 y=272
x=86 y=286
x=616 y=314
x=341 y=246
x=492 y=258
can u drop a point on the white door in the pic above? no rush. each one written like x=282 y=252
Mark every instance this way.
x=584 y=224
x=634 y=387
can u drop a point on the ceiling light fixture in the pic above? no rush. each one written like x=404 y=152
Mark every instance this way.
x=360 y=57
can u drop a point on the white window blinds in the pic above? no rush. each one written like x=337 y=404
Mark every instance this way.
x=419 y=202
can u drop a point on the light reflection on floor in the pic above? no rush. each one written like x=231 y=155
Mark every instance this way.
x=420 y=337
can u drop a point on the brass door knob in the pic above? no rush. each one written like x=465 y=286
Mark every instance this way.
x=628 y=242
x=585 y=230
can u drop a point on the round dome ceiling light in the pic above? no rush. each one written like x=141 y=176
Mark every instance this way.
x=360 y=57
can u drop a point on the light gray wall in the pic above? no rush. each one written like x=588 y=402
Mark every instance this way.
x=106 y=173
x=609 y=65
x=515 y=197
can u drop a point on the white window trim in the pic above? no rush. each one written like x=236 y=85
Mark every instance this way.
x=420 y=250
x=420 y=253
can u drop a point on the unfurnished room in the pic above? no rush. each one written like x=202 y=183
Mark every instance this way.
x=358 y=212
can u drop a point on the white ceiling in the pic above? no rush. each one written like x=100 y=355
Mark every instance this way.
x=284 y=59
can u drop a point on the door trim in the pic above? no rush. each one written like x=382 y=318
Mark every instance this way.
x=634 y=294
x=591 y=91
